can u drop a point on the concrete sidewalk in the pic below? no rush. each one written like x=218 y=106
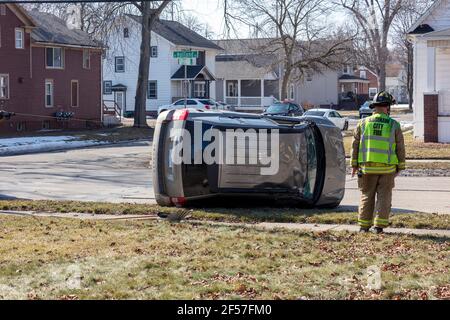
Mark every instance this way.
x=263 y=225
x=411 y=194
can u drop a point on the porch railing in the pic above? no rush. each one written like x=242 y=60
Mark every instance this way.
x=112 y=108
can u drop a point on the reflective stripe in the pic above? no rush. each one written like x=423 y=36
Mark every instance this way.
x=363 y=140
x=365 y=223
x=391 y=140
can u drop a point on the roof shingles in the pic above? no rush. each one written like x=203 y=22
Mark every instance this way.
x=51 y=29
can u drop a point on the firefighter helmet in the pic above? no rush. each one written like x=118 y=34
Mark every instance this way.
x=383 y=98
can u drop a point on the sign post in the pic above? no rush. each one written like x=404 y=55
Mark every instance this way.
x=185 y=58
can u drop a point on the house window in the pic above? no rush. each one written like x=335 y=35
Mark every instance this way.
x=55 y=58
x=49 y=93
x=4 y=86
x=126 y=33
x=74 y=93
x=2 y=10
x=363 y=74
x=19 y=38
x=309 y=76
x=346 y=70
x=154 y=52
x=119 y=64
x=107 y=87
x=86 y=59
x=152 y=90
x=199 y=89
x=232 y=88
x=373 y=92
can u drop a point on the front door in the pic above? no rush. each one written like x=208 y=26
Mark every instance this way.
x=119 y=99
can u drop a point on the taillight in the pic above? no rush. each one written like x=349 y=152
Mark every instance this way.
x=178 y=201
x=181 y=114
x=207 y=107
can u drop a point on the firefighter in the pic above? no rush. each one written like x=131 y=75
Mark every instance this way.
x=378 y=156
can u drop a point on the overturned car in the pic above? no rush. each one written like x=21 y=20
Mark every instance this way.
x=200 y=154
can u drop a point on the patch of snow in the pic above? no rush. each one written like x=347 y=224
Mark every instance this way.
x=12 y=146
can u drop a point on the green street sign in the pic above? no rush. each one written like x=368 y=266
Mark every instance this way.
x=185 y=54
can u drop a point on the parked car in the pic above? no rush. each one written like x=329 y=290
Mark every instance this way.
x=311 y=167
x=204 y=104
x=223 y=106
x=288 y=109
x=365 y=110
x=330 y=114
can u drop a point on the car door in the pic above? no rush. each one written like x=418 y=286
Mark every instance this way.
x=337 y=119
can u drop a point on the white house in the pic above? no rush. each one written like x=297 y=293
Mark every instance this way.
x=396 y=80
x=165 y=83
x=431 y=38
x=250 y=80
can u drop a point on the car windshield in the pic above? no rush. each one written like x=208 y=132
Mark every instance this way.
x=315 y=113
x=366 y=104
x=278 y=108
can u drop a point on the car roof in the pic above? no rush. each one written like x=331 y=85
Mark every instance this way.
x=321 y=110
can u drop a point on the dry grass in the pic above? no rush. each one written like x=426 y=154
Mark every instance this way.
x=72 y=259
x=414 y=149
x=249 y=214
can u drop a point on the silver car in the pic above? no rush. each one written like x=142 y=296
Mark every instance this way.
x=307 y=158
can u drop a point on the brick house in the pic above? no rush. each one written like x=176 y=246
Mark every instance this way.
x=50 y=75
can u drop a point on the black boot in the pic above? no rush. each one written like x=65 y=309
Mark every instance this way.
x=378 y=230
x=363 y=230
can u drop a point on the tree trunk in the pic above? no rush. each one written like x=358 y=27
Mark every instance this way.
x=140 y=117
x=285 y=83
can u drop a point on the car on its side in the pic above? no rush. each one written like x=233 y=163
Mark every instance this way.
x=201 y=104
x=330 y=114
x=287 y=109
x=365 y=110
x=306 y=165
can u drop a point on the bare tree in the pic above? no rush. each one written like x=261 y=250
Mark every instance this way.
x=375 y=19
x=295 y=34
x=403 y=47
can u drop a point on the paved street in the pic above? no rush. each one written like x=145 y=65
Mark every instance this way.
x=120 y=173
x=116 y=173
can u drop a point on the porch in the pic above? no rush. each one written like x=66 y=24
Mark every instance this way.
x=192 y=82
x=250 y=94
x=354 y=91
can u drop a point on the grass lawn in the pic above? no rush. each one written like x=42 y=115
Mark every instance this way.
x=72 y=259
x=248 y=215
x=414 y=149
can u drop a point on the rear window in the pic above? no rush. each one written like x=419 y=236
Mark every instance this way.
x=207 y=102
x=315 y=113
x=276 y=108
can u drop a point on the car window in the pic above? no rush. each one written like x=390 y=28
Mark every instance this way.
x=277 y=108
x=337 y=115
x=179 y=103
x=191 y=103
x=207 y=102
x=315 y=113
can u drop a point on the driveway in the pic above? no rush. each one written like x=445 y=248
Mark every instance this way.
x=121 y=173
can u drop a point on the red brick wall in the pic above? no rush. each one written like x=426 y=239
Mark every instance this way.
x=27 y=89
x=89 y=81
x=15 y=63
x=431 y=111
